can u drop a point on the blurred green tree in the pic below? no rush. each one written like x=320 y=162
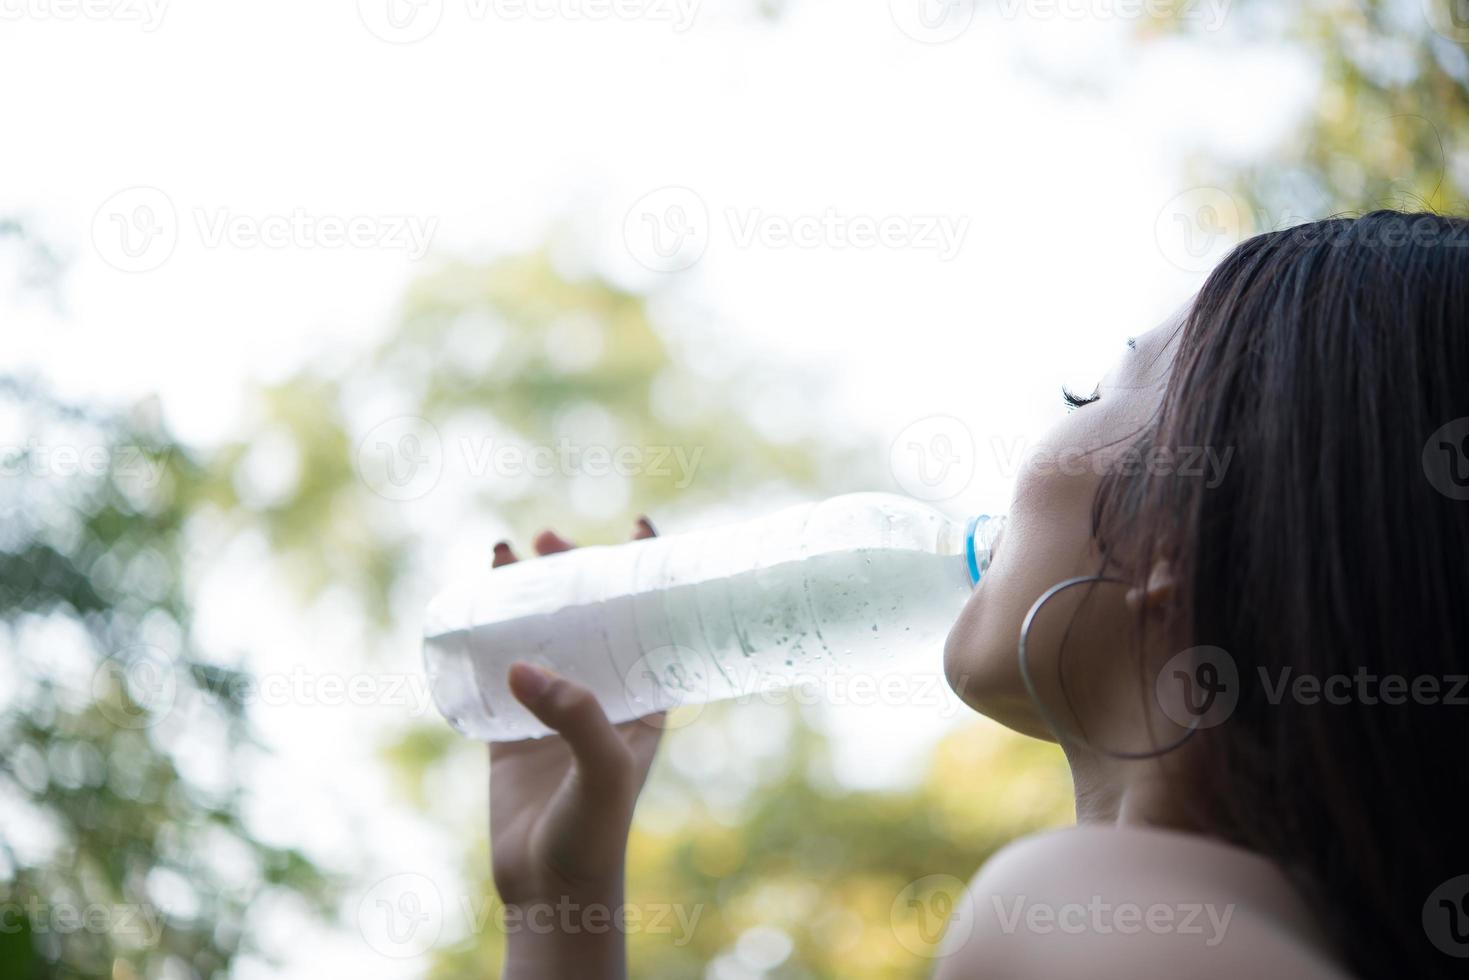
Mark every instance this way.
x=118 y=856
x=1391 y=114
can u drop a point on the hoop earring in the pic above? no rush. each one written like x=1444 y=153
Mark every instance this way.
x=1051 y=721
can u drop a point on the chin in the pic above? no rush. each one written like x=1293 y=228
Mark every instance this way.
x=966 y=671
x=987 y=679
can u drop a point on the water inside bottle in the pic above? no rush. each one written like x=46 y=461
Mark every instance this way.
x=860 y=610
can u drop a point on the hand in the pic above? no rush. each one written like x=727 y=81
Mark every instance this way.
x=561 y=806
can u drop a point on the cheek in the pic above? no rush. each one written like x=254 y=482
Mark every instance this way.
x=1047 y=539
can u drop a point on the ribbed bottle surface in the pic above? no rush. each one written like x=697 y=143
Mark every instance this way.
x=863 y=582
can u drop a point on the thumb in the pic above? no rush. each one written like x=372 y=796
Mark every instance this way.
x=572 y=711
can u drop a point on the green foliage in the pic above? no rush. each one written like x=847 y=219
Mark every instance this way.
x=1389 y=123
x=109 y=849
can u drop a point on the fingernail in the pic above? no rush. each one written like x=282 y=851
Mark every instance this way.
x=531 y=682
x=647 y=524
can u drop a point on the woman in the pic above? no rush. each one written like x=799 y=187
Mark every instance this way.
x=1255 y=667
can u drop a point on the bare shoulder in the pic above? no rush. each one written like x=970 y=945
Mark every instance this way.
x=1103 y=902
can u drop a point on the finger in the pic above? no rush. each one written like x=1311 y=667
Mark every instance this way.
x=503 y=554
x=637 y=731
x=570 y=710
x=642 y=736
x=643 y=529
x=548 y=542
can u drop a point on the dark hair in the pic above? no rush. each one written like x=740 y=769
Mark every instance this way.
x=1333 y=360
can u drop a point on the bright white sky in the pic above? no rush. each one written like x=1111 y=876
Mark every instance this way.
x=1062 y=148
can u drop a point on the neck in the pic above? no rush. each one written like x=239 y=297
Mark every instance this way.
x=1122 y=791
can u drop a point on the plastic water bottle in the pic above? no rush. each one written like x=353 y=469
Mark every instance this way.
x=863 y=582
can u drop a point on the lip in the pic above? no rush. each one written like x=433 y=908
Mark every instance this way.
x=989 y=565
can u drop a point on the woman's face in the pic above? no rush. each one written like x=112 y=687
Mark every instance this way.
x=1048 y=538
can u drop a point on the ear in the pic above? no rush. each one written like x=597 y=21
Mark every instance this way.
x=1156 y=594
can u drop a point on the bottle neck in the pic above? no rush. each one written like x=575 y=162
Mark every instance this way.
x=979 y=541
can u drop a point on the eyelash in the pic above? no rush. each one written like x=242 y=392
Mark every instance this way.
x=1074 y=401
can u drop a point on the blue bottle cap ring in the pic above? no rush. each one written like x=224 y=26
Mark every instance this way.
x=969 y=554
